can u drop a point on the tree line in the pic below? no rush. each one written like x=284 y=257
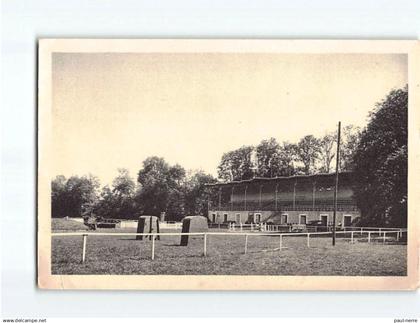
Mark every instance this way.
x=309 y=155
x=377 y=155
x=159 y=188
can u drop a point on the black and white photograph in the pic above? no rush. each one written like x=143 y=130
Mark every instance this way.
x=238 y=161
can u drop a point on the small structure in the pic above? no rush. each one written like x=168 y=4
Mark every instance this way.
x=193 y=224
x=90 y=221
x=148 y=224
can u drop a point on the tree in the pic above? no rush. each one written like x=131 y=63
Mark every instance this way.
x=349 y=142
x=197 y=194
x=274 y=159
x=268 y=161
x=75 y=196
x=118 y=202
x=237 y=165
x=308 y=150
x=58 y=197
x=161 y=188
x=327 y=151
x=380 y=163
x=123 y=184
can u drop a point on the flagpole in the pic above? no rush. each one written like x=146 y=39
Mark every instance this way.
x=336 y=184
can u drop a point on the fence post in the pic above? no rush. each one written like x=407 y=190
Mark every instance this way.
x=281 y=242
x=307 y=240
x=369 y=237
x=384 y=238
x=246 y=243
x=84 y=248
x=352 y=241
x=153 y=246
x=240 y=225
x=205 y=244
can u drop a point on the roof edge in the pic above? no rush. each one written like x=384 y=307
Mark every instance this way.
x=256 y=179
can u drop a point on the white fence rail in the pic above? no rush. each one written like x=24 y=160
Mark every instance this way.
x=369 y=235
x=289 y=227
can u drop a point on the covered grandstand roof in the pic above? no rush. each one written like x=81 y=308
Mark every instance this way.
x=269 y=179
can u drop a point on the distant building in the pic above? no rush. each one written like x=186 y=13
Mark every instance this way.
x=284 y=200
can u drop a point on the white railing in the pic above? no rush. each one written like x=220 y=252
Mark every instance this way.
x=370 y=236
x=168 y=225
x=288 y=227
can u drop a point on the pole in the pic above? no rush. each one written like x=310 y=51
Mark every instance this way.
x=84 y=248
x=205 y=244
x=246 y=243
x=336 y=183
x=307 y=241
x=281 y=242
x=153 y=246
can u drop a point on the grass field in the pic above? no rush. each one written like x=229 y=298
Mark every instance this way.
x=61 y=224
x=225 y=255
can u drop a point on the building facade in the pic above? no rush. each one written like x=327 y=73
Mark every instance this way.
x=284 y=200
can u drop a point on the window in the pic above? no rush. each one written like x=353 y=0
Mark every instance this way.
x=324 y=219
x=302 y=219
x=257 y=217
x=347 y=220
x=283 y=219
x=214 y=217
x=238 y=218
x=225 y=218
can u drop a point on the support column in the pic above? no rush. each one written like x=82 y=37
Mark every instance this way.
x=246 y=187
x=220 y=198
x=313 y=195
x=231 y=199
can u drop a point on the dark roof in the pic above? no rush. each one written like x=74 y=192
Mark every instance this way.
x=269 y=179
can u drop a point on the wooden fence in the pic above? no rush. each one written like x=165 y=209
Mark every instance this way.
x=369 y=234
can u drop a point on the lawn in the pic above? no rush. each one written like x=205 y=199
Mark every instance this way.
x=61 y=224
x=225 y=256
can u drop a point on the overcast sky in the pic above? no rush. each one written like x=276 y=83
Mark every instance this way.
x=115 y=110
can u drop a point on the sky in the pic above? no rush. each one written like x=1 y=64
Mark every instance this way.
x=113 y=110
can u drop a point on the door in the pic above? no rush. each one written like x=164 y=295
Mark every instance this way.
x=283 y=219
x=225 y=216
x=257 y=218
x=214 y=218
x=302 y=219
x=324 y=220
x=347 y=220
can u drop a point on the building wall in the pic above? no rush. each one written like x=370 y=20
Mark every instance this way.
x=293 y=217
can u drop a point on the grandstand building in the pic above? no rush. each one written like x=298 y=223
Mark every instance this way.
x=284 y=200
